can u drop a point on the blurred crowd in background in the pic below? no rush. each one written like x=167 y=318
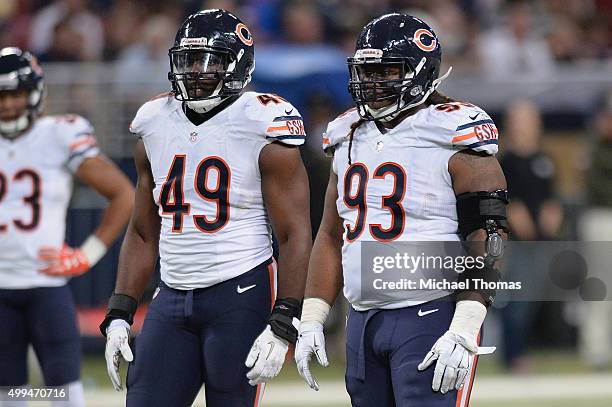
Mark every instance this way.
x=542 y=69
x=492 y=36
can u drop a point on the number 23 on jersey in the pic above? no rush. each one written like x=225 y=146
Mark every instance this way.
x=32 y=200
x=172 y=200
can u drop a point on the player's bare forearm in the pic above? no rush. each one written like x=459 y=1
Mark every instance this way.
x=140 y=247
x=104 y=177
x=137 y=261
x=325 y=267
x=474 y=172
x=292 y=266
x=287 y=198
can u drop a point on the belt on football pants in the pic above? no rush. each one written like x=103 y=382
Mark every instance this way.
x=361 y=358
x=188 y=305
x=188 y=302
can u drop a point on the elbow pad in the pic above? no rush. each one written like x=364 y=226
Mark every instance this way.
x=479 y=210
x=484 y=210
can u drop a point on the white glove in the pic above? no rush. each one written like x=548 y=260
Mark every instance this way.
x=310 y=340
x=266 y=357
x=117 y=336
x=455 y=350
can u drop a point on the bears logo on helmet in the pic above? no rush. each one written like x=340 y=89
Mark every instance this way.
x=419 y=43
x=243 y=32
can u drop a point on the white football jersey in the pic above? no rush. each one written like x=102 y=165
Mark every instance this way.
x=35 y=187
x=398 y=187
x=208 y=185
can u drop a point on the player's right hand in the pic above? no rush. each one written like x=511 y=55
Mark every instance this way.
x=453 y=353
x=310 y=340
x=117 y=346
x=65 y=262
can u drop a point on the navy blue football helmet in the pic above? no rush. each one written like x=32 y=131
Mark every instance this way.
x=19 y=70
x=212 y=58
x=395 y=66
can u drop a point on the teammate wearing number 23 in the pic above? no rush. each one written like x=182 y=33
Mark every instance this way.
x=39 y=157
x=218 y=170
x=409 y=164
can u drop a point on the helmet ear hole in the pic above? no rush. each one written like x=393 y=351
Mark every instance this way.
x=433 y=72
x=249 y=73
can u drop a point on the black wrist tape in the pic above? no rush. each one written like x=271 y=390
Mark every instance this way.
x=281 y=318
x=120 y=306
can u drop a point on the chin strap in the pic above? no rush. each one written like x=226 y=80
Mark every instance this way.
x=437 y=82
x=11 y=129
x=205 y=106
x=432 y=88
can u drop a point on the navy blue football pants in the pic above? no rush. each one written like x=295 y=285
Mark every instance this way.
x=383 y=350
x=201 y=337
x=44 y=317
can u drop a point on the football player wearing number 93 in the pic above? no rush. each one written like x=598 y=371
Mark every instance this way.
x=39 y=156
x=218 y=169
x=409 y=164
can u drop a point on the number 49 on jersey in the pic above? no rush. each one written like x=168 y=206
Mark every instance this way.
x=172 y=196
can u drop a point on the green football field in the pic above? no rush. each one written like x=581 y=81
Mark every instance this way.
x=558 y=379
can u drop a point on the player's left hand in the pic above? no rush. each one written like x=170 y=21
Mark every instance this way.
x=266 y=357
x=454 y=354
x=117 y=347
x=311 y=340
x=66 y=262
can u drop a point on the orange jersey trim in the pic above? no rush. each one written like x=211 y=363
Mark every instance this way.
x=274 y=128
x=464 y=137
x=88 y=140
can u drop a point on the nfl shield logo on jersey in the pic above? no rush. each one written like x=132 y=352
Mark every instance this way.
x=193 y=137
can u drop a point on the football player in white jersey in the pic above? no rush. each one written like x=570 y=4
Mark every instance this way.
x=409 y=164
x=218 y=170
x=39 y=157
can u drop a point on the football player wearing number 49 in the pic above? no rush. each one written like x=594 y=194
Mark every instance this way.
x=409 y=164
x=39 y=156
x=218 y=169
